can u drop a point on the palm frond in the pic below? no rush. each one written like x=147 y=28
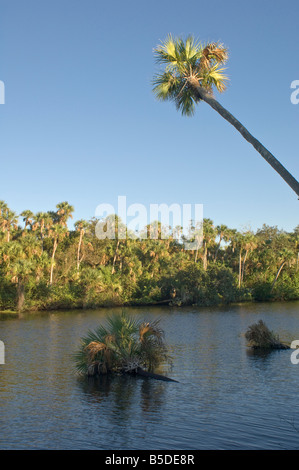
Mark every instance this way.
x=167 y=51
x=185 y=101
x=166 y=86
x=213 y=54
x=148 y=329
x=120 y=344
x=214 y=76
x=94 y=348
x=190 y=50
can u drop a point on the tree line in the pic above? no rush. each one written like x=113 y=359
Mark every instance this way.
x=46 y=265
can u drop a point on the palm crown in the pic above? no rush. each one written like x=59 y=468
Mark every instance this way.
x=189 y=64
x=191 y=71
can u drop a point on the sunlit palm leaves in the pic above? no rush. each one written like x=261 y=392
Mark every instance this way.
x=186 y=64
x=123 y=344
x=152 y=345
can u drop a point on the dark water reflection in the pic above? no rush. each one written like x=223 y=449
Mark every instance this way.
x=227 y=396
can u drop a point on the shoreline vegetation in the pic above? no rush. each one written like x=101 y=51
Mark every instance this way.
x=16 y=313
x=45 y=265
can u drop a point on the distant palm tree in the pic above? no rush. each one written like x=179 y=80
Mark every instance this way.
x=191 y=72
x=27 y=217
x=58 y=230
x=64 y=211
x=250 y=244
x=208 y=239
x=20 y=259
x=8 y=220
x=285 y=256
x=42 y=221
x=223 y=234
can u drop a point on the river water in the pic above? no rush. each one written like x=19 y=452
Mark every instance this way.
x=227 y=397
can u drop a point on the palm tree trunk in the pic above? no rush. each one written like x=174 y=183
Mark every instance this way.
x=217 y=249
x=281 y=170
x=79 y=248
x=243 y=267
x=20 y=296
x=42 y=239
x=52 y=260
x=240 y=268
x=277 y=275
x=205 y=256
x=114 y=258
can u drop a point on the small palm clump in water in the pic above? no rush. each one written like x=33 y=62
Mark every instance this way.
x=123 y=345
x=259 y=336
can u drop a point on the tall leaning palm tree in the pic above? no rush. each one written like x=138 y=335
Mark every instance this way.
x=191 y=71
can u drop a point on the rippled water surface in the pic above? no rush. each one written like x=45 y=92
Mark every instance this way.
x=227 y=397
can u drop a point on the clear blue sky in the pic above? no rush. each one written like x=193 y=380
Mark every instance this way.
x=81 y=124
